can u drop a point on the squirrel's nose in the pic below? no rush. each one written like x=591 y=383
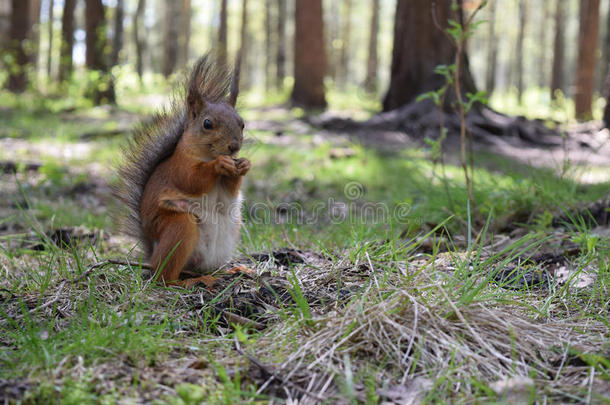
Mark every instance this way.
x=234 y=147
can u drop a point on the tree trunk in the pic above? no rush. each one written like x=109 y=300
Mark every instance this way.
x=117 y=40
x=587 y=46
x=222 y=34
x=186 y=32
x=95 y=24
x=280 y=72
x=370 y=83
x=492 y=50
x=542 y=64
x=346 y=29
x=309 y=55
x=96 y=57
x=50 y=53
x=170 y=40
x=333 y=40
x=34 y=34
x=138 y=39
x=19 y=31
x=419 y=47
x=67 y=40
x=520 y=40
x=5 y=23
x=243 y=47
x=605 y=65
x=607 y=93
x=558 y=50
x=268 y=47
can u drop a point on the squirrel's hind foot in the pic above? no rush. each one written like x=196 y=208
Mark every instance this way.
x=241 y=269
x=208 y=281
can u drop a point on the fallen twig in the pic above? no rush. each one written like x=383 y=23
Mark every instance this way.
x=240 y=320
x=54 y=300
x=107 y=262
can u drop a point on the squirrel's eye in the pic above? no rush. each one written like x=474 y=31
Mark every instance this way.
x=207 y=124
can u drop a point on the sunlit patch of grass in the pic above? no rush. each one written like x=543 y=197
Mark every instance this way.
x=354 y=101
x=67 y=213
x=49 y=126
x=536 y=103
x=301 y=176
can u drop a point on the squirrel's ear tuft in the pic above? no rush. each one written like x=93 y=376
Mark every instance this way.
x=194 y=101
x=235 y=82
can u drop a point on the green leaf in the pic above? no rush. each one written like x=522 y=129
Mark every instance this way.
x=455 y=30
x=433 y=95
x=478 y=97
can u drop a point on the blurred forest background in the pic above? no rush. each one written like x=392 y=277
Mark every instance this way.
x=533 y=57
x=427 y=214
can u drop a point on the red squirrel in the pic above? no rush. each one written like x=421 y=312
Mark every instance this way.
x=181 y=178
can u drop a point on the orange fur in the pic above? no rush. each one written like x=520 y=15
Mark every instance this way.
x=179 y=178
x=179 y=159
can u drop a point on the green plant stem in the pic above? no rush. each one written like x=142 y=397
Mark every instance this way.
x=441 y=138
x=458 y=94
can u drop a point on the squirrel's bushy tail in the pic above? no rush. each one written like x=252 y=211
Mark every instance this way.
x=155 y=140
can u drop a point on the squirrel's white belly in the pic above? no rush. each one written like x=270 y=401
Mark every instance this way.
x=219 y=215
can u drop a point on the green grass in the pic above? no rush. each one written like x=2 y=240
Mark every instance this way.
x=396 y=261
x=536 y=103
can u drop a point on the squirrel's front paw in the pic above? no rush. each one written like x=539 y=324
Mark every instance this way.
x=242 y=165
x=225 y=166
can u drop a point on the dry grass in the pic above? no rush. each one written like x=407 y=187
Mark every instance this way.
x=370 y=329
x=405 y=332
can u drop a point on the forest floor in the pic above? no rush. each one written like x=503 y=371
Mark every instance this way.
x=366 y=287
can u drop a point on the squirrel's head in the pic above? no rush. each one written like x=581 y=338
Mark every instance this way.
x=213 y=127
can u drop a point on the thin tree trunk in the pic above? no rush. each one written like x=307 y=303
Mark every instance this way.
x=50 y=53
x=67 y=40
x=96 y=57
x=558 y=50
x=605 y=62
x=170 y=40
x=607 y=94
x=117 y=40
x=370 y=83
x=34 y=34
x=280 y=73
x=5 y=23
x=587 y=47
x=222 y=34
x=333 y=38
x=186 y=32
x=95 y=35
x=268 y=47
x=492 y=50
x=542 y=64
x=243 y=47
x=309 y=55
x=346 y=30
x=520 y=40
x=137 y=38
x=19 y=31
